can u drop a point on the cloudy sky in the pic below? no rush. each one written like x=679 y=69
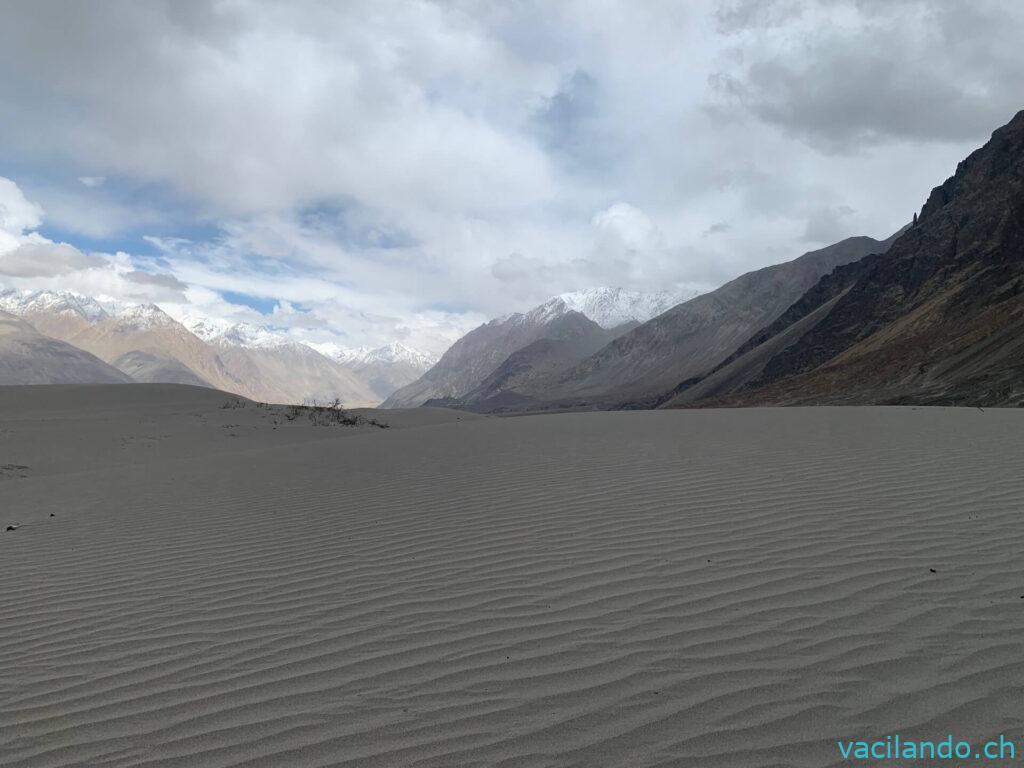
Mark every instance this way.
x=367 y=172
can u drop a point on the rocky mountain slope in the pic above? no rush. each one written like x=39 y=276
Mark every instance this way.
x=479 y=353
x=569 y=338
x=29 y=357
x=939 y=319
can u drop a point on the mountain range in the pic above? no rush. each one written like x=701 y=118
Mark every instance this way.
x=600 y=314
x=143 y=343
x=554 y=357
x=933 y=314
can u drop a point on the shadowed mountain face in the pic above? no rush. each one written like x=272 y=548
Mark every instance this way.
x=938 y=320
x=568 y=339
x=28 y=357
x=469 y=360
x=147 y=368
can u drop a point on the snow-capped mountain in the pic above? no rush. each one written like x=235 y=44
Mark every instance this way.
x=386 y=368
x=142 y=317
x=55 y=302
x=392 y=353
x=611 y=307
x=224 y=333
x=60 y=314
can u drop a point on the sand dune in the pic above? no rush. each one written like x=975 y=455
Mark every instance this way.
x=691 y=588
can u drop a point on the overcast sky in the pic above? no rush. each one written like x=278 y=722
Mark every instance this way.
x=368 y=172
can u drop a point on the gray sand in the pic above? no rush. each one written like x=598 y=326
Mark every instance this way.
x=694 y=588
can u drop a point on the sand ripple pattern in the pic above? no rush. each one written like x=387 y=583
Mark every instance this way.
x=692 y=588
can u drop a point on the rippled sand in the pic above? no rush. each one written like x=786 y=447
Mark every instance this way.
x=687 y=588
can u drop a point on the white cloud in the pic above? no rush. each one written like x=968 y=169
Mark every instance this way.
x=16 y=215
x=28 y=260
x=387 y=167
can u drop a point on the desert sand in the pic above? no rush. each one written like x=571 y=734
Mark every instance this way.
x=194 y=585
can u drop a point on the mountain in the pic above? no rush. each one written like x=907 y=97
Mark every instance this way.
x=273 y=368
x=939 y=319
x=60 y=314
x=569 y=338
x=29 y=357
x=148 y=344
x=474 y=357
x=638 y=367
x=615 y=307
x=386 y=369
x=148 y=329
x=147 y=368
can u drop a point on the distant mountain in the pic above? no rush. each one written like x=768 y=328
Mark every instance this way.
x=60 y=314
x=474 y=357
x=386 y=369
x=638 y=367
x=569 y=338
x=273 y=368
x=29 y=357
x=148 y=368
x=615 y=307
x=148 y=329
x=939 y=319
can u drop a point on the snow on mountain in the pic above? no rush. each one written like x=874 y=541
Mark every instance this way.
x=23 y=303
x=392 y=353
x=143 y=317
x=224 y=333
x=611 y=307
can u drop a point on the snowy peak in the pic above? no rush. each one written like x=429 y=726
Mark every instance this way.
x=608 y=307
x=396 y=352
x=227 y=334
x=390 y=354
x=611 y=307
x=144 y=317
x=53 y=302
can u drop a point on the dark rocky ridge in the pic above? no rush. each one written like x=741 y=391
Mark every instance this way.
x=939 y=319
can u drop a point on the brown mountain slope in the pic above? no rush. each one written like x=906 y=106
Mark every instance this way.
x=148 y=329
x=28 y=357
x=937 y=320
x=293 y=373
